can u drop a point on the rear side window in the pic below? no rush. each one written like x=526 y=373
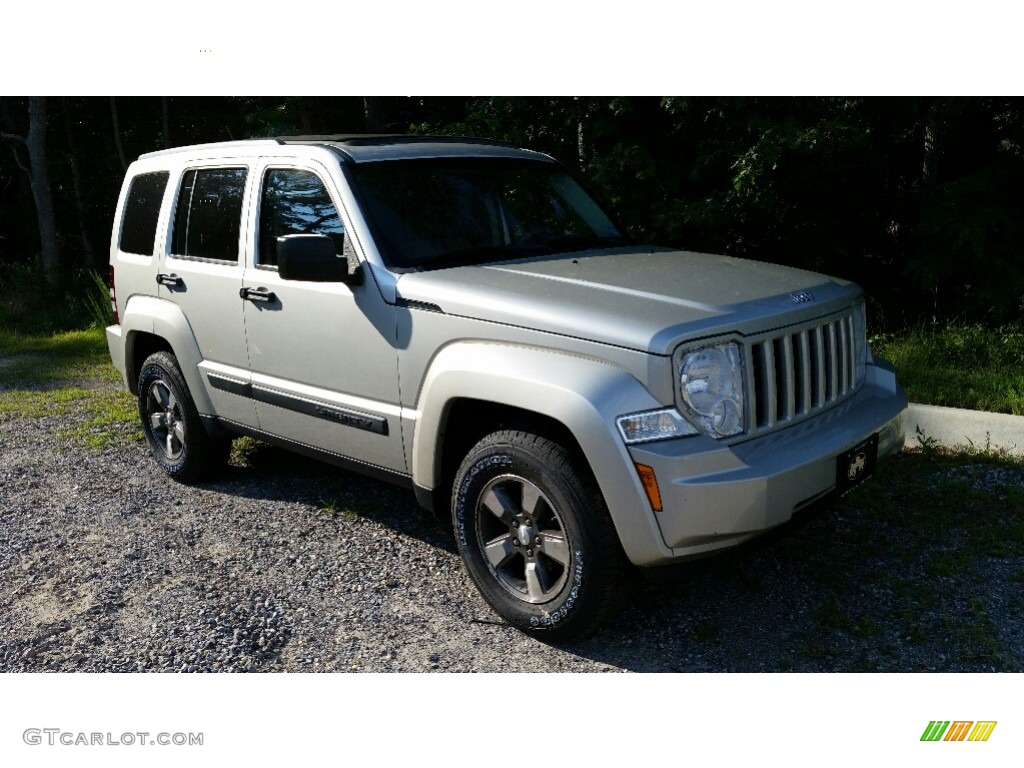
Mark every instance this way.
x=295 y=202
x=209 y=213
x=141 y=210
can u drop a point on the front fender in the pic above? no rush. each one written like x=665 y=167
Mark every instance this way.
x=584 y=394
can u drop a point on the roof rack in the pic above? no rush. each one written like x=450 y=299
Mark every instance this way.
x=371 y=139
x=213 y=145
x=347 y=139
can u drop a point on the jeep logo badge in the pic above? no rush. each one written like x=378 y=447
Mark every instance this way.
x=802 y=297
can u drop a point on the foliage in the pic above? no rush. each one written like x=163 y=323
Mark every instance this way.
x=970 y=244
x=97 y=301
x=28 y=304
x=959 y=365
x=914 y=198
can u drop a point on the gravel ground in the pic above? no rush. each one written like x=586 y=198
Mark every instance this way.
x=107 y=565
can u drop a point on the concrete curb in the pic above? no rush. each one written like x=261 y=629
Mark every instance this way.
x=961 y=427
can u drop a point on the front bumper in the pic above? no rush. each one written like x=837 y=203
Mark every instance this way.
x=716 y=496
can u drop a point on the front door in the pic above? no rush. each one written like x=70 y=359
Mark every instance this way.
x=322 y=355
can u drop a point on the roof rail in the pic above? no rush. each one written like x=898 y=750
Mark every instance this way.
x=371 y=139
x=214 y=145
x=348 y=139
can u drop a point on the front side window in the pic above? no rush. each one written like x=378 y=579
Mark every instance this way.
x=209 y=214
x=295 y=202
x=141 y=211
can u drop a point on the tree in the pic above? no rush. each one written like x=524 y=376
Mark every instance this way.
x=34 y=143
x=116 y=120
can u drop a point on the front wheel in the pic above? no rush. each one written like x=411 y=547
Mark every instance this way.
x=535 y=535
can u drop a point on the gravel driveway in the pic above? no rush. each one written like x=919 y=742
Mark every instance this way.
x=287 y=564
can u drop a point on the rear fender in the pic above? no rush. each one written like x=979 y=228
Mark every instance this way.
x=148 y=314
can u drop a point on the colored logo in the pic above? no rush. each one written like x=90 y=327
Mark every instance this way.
x=958 y=730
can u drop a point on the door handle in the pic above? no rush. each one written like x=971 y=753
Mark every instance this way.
x=257 y=294
x=171 y=280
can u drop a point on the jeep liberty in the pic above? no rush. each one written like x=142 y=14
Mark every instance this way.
x=461 y=317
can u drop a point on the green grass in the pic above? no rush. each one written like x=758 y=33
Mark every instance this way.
x=112 y=418
x=353 y=509
x=962 y=366
x=243 y=449
x=37 y=360
x=68 y=372
x=334 y=508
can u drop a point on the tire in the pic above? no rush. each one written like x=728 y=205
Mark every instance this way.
x=173 y=428
x=536 y=537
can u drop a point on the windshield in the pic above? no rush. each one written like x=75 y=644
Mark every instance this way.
x=441 y=212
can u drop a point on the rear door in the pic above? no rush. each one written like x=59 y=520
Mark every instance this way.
x=322 y=355
x=202 y=273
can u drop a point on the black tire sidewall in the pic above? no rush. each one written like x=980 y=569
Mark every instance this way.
x=484 y=464
x=162 y=366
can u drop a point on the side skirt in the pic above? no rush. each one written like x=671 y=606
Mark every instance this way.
x=216 y=425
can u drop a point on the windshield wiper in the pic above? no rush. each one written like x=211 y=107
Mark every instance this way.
x=486 y=253
x=583 y=242
x=480 y=255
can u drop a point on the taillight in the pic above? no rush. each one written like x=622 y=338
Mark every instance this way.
x=113 y=296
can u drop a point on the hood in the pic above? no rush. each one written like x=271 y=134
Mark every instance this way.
x=641 y=299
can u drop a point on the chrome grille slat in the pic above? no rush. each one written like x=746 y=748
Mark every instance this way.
x=768 y=387
x=805 y=372
x=788 y=402
x=840 y=360
x=819 y=367
x=798 y=372
x=751 y=386
x=832 y=362
x=851 y=355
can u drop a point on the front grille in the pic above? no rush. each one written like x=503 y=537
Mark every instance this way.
x=799 y=371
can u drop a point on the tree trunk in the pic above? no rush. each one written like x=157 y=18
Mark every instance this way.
x=374 y=114
x=39 y=180
x=117 y=134
x=88 y=254
x=165 y=103
x=930 y=163
x=581 y=146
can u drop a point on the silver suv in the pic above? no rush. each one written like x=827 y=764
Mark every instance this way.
x=459 y=316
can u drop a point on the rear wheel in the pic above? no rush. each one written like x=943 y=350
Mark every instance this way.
x=172 y=424
x=536 y=536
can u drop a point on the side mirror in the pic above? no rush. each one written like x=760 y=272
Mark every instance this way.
x=312 y=258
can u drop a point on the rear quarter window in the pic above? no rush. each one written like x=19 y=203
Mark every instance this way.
x=141 y=211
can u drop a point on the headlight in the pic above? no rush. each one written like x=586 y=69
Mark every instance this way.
x=653 y=425
x=712 y=389
x=860 y=339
